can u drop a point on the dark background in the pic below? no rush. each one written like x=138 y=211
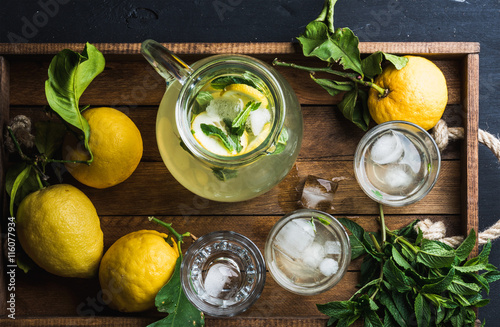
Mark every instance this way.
x=281 y=21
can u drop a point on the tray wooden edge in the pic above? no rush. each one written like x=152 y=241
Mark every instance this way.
x=451 y=48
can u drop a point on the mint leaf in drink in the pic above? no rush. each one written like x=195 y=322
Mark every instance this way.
x=221 y=82
x=238 y=124
x=211 y=130
x=282 y=141
x=202 y=100
x=223 y=174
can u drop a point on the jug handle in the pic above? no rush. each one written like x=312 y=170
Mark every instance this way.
x=166 y=63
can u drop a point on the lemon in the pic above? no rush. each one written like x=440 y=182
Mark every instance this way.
x=212 y=143
x=116 y=144
x=135 y=268
x=246 y=93
x=59 y=229
x=417 y=94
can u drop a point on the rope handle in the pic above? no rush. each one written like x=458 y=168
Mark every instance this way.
x=442 y=134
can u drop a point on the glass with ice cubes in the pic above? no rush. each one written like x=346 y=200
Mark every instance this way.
x=397 y=163
x=223 y=273
x=307 y=252
x=229 y=127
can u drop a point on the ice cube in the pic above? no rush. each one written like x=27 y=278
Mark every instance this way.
x=333 y=247
x=318 y=193
x=328 y=266
x=387 y=148
x=295 y=237
x=257 y=119
x=313 y=255
x=411 y=157
x=225 y=108
x=218 y=279
x=397 y=178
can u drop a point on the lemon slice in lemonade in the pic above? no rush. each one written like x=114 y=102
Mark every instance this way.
x=246 y=93
x=212 y=143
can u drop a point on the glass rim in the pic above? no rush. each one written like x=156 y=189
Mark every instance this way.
x=260 y=267
x=244 y=63
x=330 y=281
x=360 y=149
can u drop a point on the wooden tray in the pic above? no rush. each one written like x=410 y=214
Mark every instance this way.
x=129 y=83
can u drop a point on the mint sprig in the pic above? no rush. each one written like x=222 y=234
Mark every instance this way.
x=407 y=280
x=320 y=39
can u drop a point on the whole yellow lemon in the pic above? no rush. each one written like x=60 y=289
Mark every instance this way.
x=135 y=268
x=116 y=144
x=417 y=93
x=59 y=229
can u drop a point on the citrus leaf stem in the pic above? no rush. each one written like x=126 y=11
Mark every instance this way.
x=353 y=77
x=168 y=226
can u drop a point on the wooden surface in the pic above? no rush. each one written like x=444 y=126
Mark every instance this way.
x=328 y=146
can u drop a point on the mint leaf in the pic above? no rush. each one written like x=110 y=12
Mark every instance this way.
x=396 y=278
x=70 y=73
x=223 y=174
x=440 y=286
x=466 y=247
x=202 y=100
x=221 y=82
x=388 y=303
x=238 y=124
x=171 y=299
x=433 y=255
x=211 y=130
x=282 y=141
x=422 y=311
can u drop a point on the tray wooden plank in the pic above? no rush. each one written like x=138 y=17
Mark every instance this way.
x=130 y=84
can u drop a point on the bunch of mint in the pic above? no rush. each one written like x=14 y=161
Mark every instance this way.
x=407 y=280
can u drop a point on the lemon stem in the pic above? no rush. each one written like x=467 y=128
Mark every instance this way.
x=351 y=76
x=168 y=226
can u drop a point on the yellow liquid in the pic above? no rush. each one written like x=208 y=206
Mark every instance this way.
x=251 y=180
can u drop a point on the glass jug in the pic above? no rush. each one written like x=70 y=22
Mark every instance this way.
x=207 y=173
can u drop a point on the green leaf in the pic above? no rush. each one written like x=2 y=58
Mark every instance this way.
x=171 y=299
x=357 y=248
x=202 y=100
x=223 y=174
x=485 y=252
x=19 y=183
x=422 y=311
x=442 y=285
x=221 y=82
x=353 y=108
x=388 y=303
x=472 y=268
x=396 y=278
x=399 y=259
x=26 y=185
x=359 y=233
x=49 y=136
x=238 y=124
x=282 y=141
x=460 y=287
x=212 y=130
x=372 y=65
x=402 y=304
x=466 y=247
x=333 y=87
x=398 y=62
x=370 y=269
x=70 y=73
x=434 y=255
x=372 y=320
x=341 y=46
x=338 y=309
x=492 y=276
x=408 y=231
